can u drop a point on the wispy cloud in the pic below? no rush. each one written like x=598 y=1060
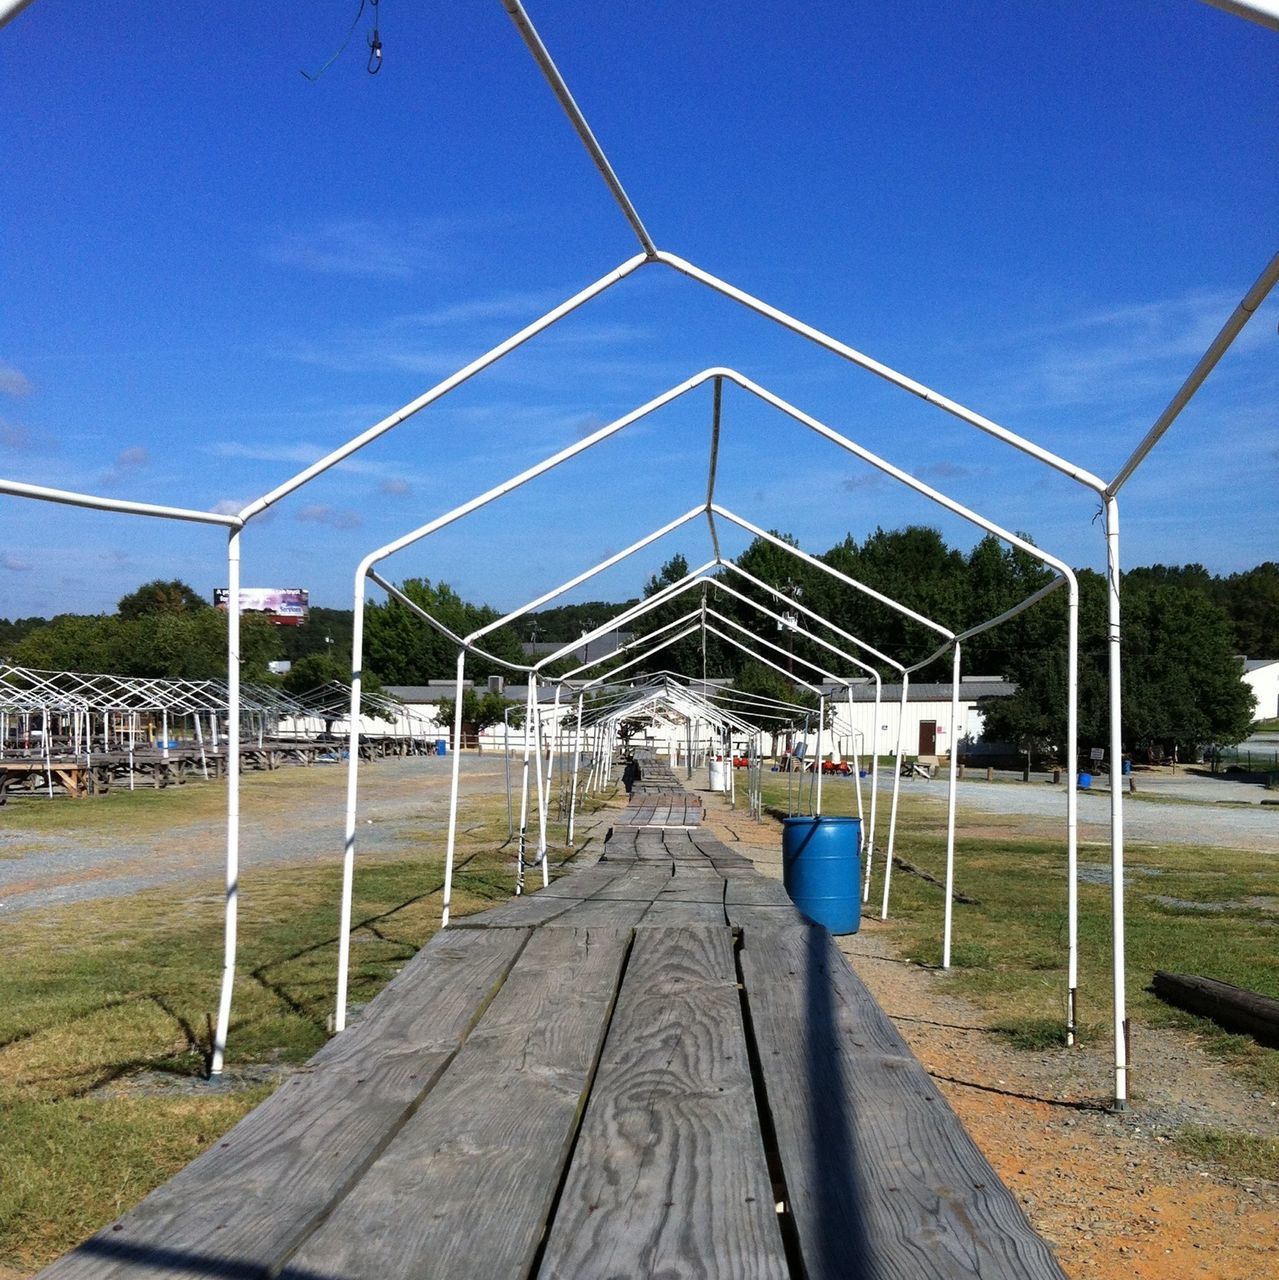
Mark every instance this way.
x=15 y=565
x=128 y=462
x=395 y=487
x=855 y=484
x=361 y=247
x=301 y=454
x=941 y=471
x=435 y=343
x=333 y=517
x=13 y=382
x=1117 y=355
x=13 y=436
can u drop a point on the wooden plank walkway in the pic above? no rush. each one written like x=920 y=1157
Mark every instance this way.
x=655 y=1066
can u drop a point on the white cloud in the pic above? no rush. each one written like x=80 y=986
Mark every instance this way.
x=13 y=436
x=361 y=247
x=941 y=471
x=395 y=487
x=132 y=458
x=334 y=517
x=13 y=563
x=13 y=382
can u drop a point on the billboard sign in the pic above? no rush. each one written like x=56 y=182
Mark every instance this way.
x=285 y=606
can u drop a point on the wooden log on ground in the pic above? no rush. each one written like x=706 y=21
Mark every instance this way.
x=1234 y=1008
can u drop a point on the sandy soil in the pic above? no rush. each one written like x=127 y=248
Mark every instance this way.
x=1108 y=1192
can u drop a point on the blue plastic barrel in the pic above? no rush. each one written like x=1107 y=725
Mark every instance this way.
x=1085 y=781
x=441 y=746
x=821 y=869
x=1127 y=769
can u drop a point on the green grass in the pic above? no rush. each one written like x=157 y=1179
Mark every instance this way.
x=1246 y=1155
x=97 y=997
x=1008 y=951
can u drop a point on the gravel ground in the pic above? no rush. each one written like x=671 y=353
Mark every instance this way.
x=38 y=870
x=1145 y=820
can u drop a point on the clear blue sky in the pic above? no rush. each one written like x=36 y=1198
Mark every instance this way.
x=213 y=271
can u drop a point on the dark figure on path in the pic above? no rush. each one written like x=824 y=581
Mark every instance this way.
x=631 y=775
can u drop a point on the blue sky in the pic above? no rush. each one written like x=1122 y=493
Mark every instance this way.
x=213 y=271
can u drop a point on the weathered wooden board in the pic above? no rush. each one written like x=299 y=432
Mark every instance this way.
x=546 y=904
x=624 y=902
x=880 y=1176
x=669 y=1175
x=243 y=1206
x=466 y=1186
x=693 y=895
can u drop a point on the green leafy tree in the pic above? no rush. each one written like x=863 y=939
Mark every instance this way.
x=159 y=596
x=1252 y=601
x=479 y=710
x=1181 y=680
x=187 y=644
x=1181 y=687
x=404 y=649
x=684 y=656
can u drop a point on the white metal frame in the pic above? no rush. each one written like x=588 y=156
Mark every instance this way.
x=1262 y=11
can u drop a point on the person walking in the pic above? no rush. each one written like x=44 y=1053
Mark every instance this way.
x=631 y=774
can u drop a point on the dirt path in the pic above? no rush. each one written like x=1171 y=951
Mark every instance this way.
x=1109 y=1192
x=289 y=816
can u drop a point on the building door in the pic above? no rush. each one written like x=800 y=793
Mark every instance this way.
x=928 y=737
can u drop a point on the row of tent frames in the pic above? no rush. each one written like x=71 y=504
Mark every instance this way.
x=1106 y=492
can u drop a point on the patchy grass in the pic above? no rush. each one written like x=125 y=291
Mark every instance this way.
x=1246 y=1155
x=102 y=1002
x=1188 y=909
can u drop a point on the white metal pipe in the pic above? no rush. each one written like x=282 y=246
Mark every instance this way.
x=874 y=787
x=1263 y=12
x=883 y=371
x=522 y=843
x=817 y=763
x=583 y=130
x=352 y=799
x=1072 y=814
x=1118 y=974
x=92 y=502
x=1218 y=347
x=585 y=576
x=773 y=540
x=577 y=764
x=948 y=913
x=232 y=804
x=451 y=845
x=897 y=786
x=441 y=389
x=9 y=9
x=541 y=790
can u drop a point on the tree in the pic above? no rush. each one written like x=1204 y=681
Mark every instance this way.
x=187 y=644
x=479 y=710
x=173 y=596
x=1181 y=681
x=684 y=655
x=1182 y=687
x=1252 y=601
x=404 y=649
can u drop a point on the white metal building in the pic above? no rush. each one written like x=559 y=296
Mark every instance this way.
x=1261 y=675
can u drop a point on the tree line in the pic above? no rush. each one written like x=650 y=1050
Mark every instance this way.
x=1182 y=631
